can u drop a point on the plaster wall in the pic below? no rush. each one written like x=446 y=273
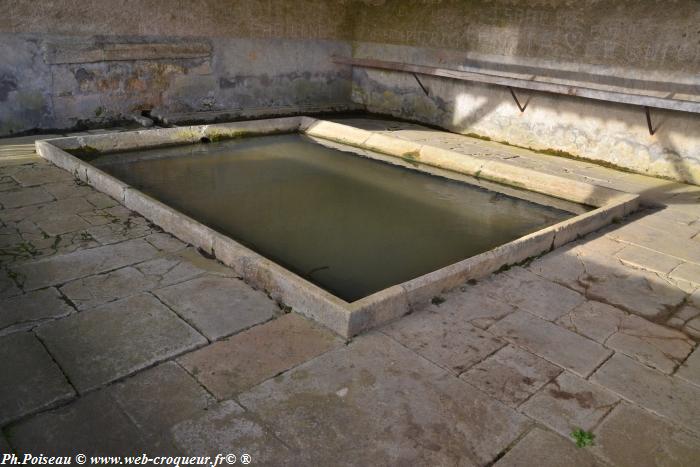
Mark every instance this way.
x=645 y=46
x=65 y=63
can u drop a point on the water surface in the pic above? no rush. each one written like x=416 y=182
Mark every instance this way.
x=349 y=224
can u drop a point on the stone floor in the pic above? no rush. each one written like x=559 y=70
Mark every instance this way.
x=116 y=338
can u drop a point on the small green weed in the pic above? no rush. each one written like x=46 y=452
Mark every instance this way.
x=583 y=438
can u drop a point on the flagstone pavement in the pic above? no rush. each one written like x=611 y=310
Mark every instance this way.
x=118 y=339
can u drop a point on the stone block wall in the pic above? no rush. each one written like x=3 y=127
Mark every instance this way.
x=650 y=46
x=65 y=63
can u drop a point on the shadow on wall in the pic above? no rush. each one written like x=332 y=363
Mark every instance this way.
x=612 y=133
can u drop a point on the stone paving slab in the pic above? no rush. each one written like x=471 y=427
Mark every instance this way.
x=39 y=175
x=165 y=242
x=26 y=311
x=72 y=189
x=635 y=291
x=8 y=287
x=663 y=241
x=689 y=272
x=633 y=437
x=110 y=233
x=161 y=397
x=543 y=448
x=690 y=369
x=511 y=375
x=569 y=403
x=566 y=265
x=100 y=200
x=648 y=259
x=96 y=290
x=595 y=320
x=92 y=425
x=656 y=346
x=92 y=291
x=117 y=339
x=60 y=224
x=29 y=381
x=527 y=291
x=63 y=268
x=473 y=305
x=227 y=428
x=218 y=306
x=551 y=342
x=374 y=402
x=666 y=396
x=23 y=197
x=445 y=339
x=231 y=366
x=692 y=327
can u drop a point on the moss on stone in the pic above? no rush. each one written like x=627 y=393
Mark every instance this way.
x=86 y=152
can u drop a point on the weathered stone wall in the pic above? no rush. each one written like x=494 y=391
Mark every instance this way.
x=64 y=63
x=623 y=45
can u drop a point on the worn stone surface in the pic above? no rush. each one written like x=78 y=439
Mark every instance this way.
x=23 y=197
x=160 y=272
x=165 y=242
x=31 y=176
x=92 y=425
x=72 y=189
x=29 y=380
x=117 y=339
x=594 y=320
x=690 y=369
x=568 y=403
x=227 y=428
x=648 y=259
x=161 y=397
x=657 y=346
x=551 y=342
x=635 y=291
x=374 y=401
x=63 y=268
x=545 y=449
x=444 y=338
x=527 y=291
x=8 y=287
x=218 y=306
x=238 y=363
x=61 y=224
x=630 y=436
x=672 y=398
x=511 y=375
x=472 y=304
x=692 y=328
x=31 y=309
x=95 y=290
x=689 y=272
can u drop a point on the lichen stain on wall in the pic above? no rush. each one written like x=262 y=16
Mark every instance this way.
x=641 y=34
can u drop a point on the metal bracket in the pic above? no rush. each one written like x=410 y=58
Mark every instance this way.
x=649 y=125
x=425 y=90
x=517 y=102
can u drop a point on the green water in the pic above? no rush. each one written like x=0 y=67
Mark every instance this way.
x=349 y=224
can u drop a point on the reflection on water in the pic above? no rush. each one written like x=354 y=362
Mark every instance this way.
x=349 y=224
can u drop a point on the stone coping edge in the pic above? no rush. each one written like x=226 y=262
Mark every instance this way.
x=289 y=289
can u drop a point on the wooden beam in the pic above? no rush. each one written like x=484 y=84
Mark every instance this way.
x=643 y=100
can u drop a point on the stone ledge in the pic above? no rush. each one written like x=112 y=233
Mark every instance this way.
x=57 y=53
